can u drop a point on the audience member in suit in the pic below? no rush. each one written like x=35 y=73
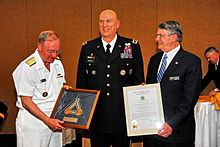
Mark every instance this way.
x=180 y=88
x=3 y=111
x=213 y=74
x=108 y=70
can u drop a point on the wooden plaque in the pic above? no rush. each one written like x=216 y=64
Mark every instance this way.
x=76 y=107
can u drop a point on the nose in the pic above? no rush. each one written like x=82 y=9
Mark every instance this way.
x=54 y=55
x=157 y=38
x=105 y=23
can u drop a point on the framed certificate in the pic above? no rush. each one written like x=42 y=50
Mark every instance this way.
x=143 y=109
x=76 y=107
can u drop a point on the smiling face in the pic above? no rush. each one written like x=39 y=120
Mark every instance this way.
x=166 y=41
x=108 y=25
x=49 y=50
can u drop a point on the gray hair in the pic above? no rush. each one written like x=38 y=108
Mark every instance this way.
x=49 y=35
x=173 y=27
x=210 y=50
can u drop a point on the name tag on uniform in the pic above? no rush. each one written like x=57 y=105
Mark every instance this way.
x=176 y=78
x=59 y=75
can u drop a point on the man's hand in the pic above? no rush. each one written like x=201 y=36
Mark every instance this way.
x=54 y=124
x=165 y=130
x=213 y=92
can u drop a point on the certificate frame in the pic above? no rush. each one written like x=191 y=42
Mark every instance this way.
x=143 y=109
x=75 y=107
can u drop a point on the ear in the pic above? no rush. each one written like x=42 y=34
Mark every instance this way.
x=118 y=24
x=39 y=46
x=175 y=37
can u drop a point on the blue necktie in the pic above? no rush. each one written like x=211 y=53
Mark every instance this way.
x=162 y=68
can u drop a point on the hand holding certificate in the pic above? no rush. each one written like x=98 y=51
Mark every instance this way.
x=143 y=109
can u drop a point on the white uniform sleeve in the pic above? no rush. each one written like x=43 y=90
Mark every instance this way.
x=24 y=80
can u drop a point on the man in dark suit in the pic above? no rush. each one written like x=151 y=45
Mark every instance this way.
x=109 y=68
x=180 y=86
x=212 y=56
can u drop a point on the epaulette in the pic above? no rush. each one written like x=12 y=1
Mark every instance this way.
x=30 y=61
x=84 y=43
x=57 y=58
x=134 y=41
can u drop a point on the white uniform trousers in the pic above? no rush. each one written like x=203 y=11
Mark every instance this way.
x=31 y=132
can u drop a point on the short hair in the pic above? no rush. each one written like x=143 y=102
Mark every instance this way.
x=173 y=27
x=48 y=34
x=211 y=49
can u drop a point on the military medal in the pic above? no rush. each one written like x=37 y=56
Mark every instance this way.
x=44 y=94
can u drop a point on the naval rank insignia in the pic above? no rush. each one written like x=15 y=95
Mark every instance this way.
x=30 y=61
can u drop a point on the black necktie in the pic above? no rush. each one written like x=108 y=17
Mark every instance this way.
x=108 y=53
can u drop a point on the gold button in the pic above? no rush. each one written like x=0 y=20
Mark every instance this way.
x=108 y=75
x=108 y=66
x=108 y=84
x=108 y=94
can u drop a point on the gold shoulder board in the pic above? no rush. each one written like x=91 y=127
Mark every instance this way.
x=84 y=43
x=30 y=61
x=134 y=41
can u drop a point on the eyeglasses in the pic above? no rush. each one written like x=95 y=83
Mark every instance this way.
x=161 y=35
x=106 y=21
x=54 y=52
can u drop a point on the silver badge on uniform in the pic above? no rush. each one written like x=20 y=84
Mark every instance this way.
x=130 y=71
x=175 y=78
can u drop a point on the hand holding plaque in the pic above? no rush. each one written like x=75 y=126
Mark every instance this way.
x=75 y=107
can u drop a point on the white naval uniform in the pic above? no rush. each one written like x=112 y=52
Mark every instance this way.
x=33 y=80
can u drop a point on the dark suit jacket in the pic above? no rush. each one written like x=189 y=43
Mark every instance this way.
x=180 y=87
x=95 y=71
x=212 y=74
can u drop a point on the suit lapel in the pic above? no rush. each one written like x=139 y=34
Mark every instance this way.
x=173 y=64
x=99 y=50
x=116 y=50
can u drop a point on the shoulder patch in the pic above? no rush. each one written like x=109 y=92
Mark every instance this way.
x=30 y=61
x=134 y=41
x=84 y=43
